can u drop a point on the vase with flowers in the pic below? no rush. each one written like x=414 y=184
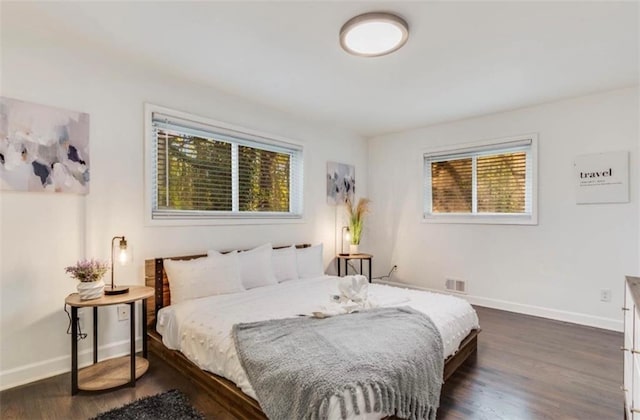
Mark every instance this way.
x=355 y=214
x=89 y=273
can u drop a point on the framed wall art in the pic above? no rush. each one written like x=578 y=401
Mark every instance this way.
x=602 y=178
x=341 y=182
x=43 y=148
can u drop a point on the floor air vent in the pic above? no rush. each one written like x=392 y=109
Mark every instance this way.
x=458 y=286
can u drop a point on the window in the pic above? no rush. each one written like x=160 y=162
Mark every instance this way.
x=206 y=171
x=489 y=182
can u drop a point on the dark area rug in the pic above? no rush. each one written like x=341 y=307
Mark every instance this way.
x=170 y=405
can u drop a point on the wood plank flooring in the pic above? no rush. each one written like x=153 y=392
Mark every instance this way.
x=526 y=368
x=534 y=368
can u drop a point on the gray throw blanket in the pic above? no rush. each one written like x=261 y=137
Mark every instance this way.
x=296 y=365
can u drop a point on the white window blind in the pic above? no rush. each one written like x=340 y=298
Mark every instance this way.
x=204 y=171
x=494 y=179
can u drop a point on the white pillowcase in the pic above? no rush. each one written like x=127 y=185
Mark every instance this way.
x=201 y=277
x=256 y=267
x=309 y=261
x=285 y=266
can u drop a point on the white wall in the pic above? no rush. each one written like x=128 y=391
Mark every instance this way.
x=554 y=269
x=43 y=233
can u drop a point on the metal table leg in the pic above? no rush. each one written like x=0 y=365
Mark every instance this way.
x=132 y=317
x=95 y=335
x=74 y=350
x=144 y=328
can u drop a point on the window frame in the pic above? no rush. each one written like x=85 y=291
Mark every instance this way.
x=199 y=218
x=482 y=218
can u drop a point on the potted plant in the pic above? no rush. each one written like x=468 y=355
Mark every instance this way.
x=89 y=273
x=356 y=215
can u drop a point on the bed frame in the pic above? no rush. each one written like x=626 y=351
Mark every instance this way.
x=223 y=391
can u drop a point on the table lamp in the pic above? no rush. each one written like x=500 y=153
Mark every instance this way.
x=122 y=257
x=345 y=236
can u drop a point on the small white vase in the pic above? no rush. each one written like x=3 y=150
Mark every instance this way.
x=90 y=289
x=353 y=249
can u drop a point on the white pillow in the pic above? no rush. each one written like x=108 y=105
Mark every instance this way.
x=201 y=277
x=256 y=267
x=309 y=261
x=226 y=273
x=285 y=266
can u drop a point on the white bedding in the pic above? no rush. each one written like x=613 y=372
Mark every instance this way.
x=201 y=328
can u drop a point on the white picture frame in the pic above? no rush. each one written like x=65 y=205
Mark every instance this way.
x=602 y=178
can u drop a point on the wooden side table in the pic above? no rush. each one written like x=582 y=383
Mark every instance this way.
x=347 y=258
x=109 y=373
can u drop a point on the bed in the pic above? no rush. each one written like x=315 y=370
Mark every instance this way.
x=210 y=369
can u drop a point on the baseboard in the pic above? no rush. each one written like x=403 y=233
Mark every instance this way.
x=40 y=370
x=521 y=308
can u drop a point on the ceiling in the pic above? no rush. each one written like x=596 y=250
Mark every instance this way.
x=462 y=59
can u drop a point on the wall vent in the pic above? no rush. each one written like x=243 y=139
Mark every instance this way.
x=458 y=286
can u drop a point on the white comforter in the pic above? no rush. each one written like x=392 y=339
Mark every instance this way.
x=201 y=328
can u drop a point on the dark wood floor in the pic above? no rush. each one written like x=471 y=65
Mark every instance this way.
x=526 y=368
x=534 y=368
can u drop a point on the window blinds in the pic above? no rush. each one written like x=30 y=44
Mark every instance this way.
x=501 y=185
x=451 y=186
x=492 y=179
x=205 y=171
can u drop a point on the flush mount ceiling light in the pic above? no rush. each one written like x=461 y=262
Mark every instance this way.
x=374 y=34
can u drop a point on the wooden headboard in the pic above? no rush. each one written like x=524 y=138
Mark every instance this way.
x=156 y=277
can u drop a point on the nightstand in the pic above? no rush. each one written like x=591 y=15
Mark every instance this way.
x=347 y=258
x=114 y=372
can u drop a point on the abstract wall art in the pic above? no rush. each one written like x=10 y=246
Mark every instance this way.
x=43 y=148
x=341 y=182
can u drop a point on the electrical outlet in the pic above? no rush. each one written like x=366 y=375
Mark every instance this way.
x=123 y=312
x=605 y=295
